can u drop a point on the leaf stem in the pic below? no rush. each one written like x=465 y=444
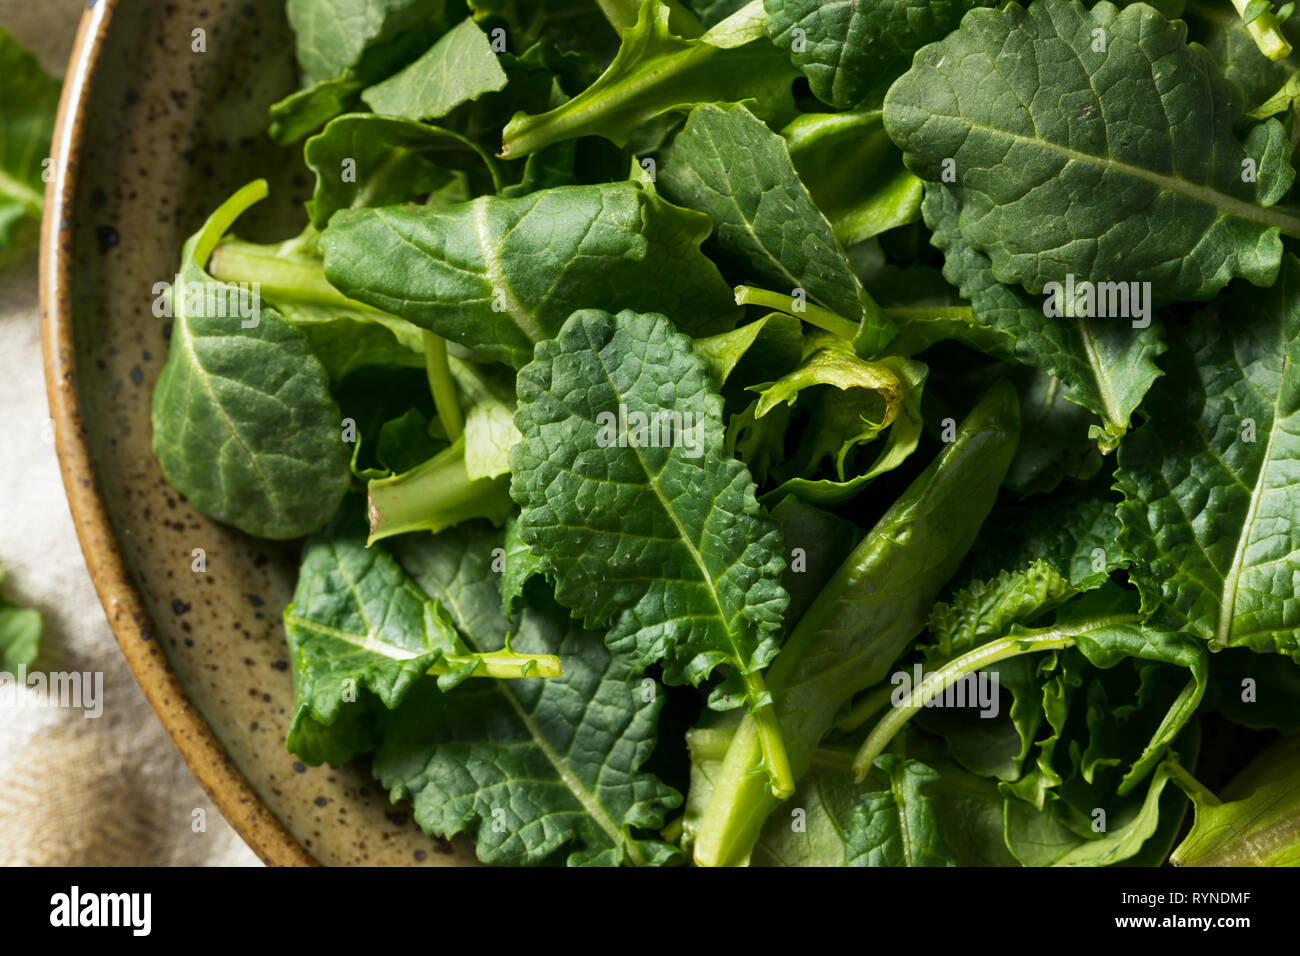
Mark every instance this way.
x=1198 y=791
x=1266 y=32
x=810 y=312
x=941 y=678
x=434 y=495
x=441 y=385
x=502 y=664
x=775 y=758
x=280 y=273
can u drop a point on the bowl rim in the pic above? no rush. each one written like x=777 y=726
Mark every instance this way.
x=127 y=614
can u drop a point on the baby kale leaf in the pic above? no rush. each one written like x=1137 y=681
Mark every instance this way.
x=1209 y=515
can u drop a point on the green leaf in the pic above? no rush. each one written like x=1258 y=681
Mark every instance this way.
x=619 y=418
x=345 y=335
x=243 y=422
x=344 y=46
x=985 y=610
x=883 y=589
x=1140 y=180
x=849 y=401
x=847 y=49
x=897 y=826
x=1056 y=443
x=364 y=160
x=1107 y=367
x=490 y=432
x=334 y=37
x=1216 y=26
x=831 y=423
x=528 y=768
x=1257 y=823
x=518 y=566
x=405 y=441
x=764 y=349
x=500 y=275
x=816 y=543
x=30 y=97
x=20 y=634
x=727 y=164
x=1038 y=839
x=460 y=67
x=358 y=626
x=854 y=173
x=1208 y=512
x=1074 y=530
x=305 y=111
x=657 y=72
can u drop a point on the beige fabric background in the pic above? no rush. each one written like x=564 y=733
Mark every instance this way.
x=75 y=791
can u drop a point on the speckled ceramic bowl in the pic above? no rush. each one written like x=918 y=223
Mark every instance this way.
x=152 y=135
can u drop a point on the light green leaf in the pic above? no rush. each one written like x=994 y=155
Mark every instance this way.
x=854 y=173
x=460 y=67
x=30 y=97
x=763 y=349
x=528 y=768
x=344 y=46
x=308 y=110
x=243 y=422
x=1209 y=482
x=852 y=473
x=490 y=432
x=500 y=275
x=1139 y=181
x=334 y=36
x=861 y=399
x=1257 y=823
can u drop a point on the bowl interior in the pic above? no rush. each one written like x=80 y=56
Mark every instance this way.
x=172 y=121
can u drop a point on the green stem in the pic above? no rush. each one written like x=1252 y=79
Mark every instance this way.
x=775 y=758
x=1198 y=791
x=911 y=313
x=435 y=495
x=941 y=678
x=502 y=664
x=810 y=312
x=441 y=385
x=587 y=112
x=1266 y=32
x=280 y=274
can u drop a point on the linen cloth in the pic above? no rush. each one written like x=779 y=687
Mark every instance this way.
x=75 y=791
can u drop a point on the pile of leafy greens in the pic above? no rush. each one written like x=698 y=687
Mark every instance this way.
x=783 y=433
